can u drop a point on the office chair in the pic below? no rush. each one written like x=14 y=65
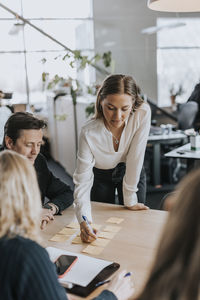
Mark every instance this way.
x=187 y=113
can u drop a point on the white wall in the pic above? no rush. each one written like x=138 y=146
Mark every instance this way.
x=117 y=26
x=62 y=130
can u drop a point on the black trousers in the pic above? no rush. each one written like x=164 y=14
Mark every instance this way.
x=107 y=181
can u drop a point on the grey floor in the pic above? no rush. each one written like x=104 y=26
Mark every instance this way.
x=154 y=196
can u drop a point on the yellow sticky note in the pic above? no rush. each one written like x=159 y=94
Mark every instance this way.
x=115 y=220
x=68 y=231
x=77 y=240
x=100 y=242
x=112 y=228
x=94 y=250
x=60 y=238
x=73 y=225
x=106 y=235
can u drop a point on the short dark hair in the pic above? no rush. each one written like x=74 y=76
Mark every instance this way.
x=19 y=121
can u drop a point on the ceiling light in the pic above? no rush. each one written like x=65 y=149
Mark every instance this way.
x=175 y=5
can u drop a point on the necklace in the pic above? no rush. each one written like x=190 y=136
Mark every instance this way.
x=115 y=139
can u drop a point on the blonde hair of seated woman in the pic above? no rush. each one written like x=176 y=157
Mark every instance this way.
x=20 y=209
x=20 y=204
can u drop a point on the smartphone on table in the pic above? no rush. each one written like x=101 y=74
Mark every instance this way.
x=64 y=263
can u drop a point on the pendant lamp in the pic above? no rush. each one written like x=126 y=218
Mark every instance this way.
x=175 y=5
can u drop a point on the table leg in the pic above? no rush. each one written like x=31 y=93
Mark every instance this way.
x=156 y=164
x=190 y=164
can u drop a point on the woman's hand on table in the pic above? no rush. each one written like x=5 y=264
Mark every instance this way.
x=138 y=206
x=88 y=234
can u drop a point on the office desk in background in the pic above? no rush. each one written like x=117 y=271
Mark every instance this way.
x=156 y=141
x=185 y=152
x=133 y=247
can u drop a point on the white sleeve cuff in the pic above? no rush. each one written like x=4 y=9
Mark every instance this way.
x=130 y=200
x=80 y=212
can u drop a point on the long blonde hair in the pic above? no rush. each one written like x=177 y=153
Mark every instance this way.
x=176 y=271
x=20 y=203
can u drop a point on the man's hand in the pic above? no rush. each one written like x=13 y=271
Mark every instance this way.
x=54 y=208
x=138 y=206
x=46 y=217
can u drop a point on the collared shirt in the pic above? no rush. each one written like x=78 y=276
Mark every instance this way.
x=96 y=150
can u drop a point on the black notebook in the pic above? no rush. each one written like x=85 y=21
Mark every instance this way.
x=103 y=275
x=85 y=273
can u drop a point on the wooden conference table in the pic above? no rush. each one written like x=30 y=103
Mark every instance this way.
x=133 y=247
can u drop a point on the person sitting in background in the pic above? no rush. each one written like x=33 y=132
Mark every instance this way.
x=195 y=97
x=26 y=272
x=187 y=121
x=23 y=133
x=176 y=271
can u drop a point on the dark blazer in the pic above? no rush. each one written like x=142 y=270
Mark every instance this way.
x=51 y=187
x=195 y=96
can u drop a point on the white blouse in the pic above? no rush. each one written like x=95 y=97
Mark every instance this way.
x=96 y=150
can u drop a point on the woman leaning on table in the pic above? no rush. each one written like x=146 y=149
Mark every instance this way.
x=176 y=271
x=111 y=151
x=26 y=272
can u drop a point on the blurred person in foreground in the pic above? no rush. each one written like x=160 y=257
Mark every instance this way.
x=176 y=271
x=26 y=272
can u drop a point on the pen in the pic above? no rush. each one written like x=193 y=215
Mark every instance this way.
x=128 y=274
x=107 y=281
x=88 y=224
x=102 y=282
x=180 y=152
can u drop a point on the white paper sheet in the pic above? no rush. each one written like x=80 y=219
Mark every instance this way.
x=83 y=271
